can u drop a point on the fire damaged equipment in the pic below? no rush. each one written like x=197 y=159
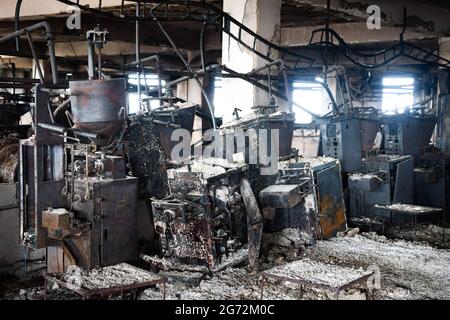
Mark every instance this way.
x=384 y=180
x=408 y=134
x=94 y=222
x=349 y=139
x=204 y=220
x=307 y=195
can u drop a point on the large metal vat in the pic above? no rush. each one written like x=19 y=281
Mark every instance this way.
x=283 y=122
x=98 y=106
x=408 y=134
x=183 y=117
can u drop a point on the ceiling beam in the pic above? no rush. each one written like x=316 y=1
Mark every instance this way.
x=352 y=33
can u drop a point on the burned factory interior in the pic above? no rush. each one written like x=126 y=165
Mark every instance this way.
x=224 y=150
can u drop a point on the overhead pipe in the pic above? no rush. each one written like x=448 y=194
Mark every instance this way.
x=279 y=62
x=188 y=67
x=17 y=21
x=50 y=44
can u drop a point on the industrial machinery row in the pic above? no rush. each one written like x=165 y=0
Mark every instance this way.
x=86 y=173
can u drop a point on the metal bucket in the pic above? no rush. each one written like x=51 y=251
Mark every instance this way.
x=98 y=106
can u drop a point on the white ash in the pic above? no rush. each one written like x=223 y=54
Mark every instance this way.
x=166 y=264
x=421 y=269
x=431 y=234
x=109 y=277
x=234 y=259
x=206 y=170
x=364 y=220
x=411 y=208
x=288 y=238
x=316 y=272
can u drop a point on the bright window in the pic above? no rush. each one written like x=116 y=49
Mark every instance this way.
x=398 y=93
x=309 y=96
x=152 y=83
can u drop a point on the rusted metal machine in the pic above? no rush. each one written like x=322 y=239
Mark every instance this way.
x=265 y=117
x=76 y=199
x=307 y=195
x=208 y=216
x=350 y=138
x=408 y=134
x=384 y=180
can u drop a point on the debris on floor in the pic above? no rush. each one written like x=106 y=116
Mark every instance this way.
x=420 y=271
x=287 y=244
x=429 y=233
x=108 y=277
x=407 y=271
x=317 y=273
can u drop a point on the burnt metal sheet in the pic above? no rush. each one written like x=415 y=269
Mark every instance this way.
x=395 y=185
x=369 y=130
x=8 y=196
x=38 y=191
x=432 y=181
x=146 y=157
x=111 y=211
x=364 y=182
x=330 y=197
x=254 y=223
x=410 y=209
x=403 y=192
x=184 y=233
x=281 y=196
x=283 y=122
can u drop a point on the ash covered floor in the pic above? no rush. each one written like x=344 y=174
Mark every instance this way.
x=408 y=270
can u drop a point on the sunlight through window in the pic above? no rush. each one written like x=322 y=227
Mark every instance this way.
x=308 y=95
x=398 y=93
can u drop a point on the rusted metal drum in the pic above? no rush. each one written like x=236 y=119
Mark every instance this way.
x=98 y=106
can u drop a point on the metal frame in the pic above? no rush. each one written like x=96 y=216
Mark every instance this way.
x=303 y=283
x=87 y=294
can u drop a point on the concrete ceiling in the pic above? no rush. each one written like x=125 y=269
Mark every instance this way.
x=307 y=14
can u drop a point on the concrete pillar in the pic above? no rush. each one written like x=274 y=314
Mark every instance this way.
x=444 y=98
x=263 y=17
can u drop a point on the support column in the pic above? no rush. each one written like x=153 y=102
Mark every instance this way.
x=444 y=99
x=263 y=17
